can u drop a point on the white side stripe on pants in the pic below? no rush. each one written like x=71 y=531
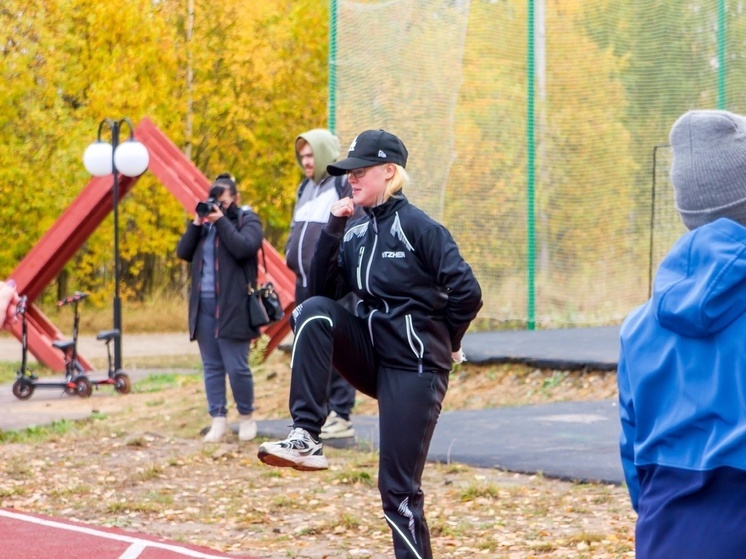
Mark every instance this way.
x=403 y=536
x=300 y=329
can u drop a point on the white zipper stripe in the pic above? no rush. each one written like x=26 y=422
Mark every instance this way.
x=412 y=334
x=370 y=263
x=300 y=329
x=370 y=327
x=361 y=252
x=300 y=254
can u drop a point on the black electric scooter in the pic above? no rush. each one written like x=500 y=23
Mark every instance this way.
x=116 y=377
x=75 y=381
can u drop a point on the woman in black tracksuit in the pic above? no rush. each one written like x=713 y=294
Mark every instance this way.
x=417 y=299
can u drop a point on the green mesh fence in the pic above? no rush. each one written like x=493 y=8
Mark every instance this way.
x=610 y=78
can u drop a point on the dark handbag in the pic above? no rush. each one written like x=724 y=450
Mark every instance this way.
x=264 y=303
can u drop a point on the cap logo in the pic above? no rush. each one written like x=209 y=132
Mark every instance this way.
x=352 y=145
x=381 y=153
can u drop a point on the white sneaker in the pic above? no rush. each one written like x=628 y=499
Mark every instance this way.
x=336 y=428
x=298 y=451
x=217 y=430
x=246 y=428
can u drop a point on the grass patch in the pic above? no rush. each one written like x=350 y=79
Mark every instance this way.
x=9 y=369
x=7 y=492
x=162 y=497
x=17 y=469
x=126 y=507
x=345 y=521
x=72 y=492
x=151 y=472
x=37 y=434
x=132 y=362
x=158 y=382
x=166 y=313
x=354 y=477
x=477 y=491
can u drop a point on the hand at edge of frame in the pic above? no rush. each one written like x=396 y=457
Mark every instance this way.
x=8 y=301
x=458 y=356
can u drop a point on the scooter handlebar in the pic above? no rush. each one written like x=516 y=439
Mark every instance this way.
x=22 y=305
x=74 y=298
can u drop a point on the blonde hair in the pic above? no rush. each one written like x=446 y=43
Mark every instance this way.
x=397 y=183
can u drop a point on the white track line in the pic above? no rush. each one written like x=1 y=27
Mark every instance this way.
x=133 y=552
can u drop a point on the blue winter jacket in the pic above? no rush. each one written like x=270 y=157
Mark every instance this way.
x=682 y=395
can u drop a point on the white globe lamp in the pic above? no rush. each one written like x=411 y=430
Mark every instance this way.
x=97 y=159
x=131 y=158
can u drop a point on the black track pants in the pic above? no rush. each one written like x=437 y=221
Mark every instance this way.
x=409 y=403
x=341 y=393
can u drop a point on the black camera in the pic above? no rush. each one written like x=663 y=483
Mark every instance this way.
x=206 y=208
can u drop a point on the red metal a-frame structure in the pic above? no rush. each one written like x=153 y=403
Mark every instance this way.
x=47 y=258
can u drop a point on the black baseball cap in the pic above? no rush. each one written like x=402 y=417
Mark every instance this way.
x=372 y=147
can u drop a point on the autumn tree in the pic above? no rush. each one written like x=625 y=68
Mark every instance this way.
x=258 y=78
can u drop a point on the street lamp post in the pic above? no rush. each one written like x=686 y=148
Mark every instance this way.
x=130 y=158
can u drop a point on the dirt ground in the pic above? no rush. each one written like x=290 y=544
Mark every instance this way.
x=138 y=463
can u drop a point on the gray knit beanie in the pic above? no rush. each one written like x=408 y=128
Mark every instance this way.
x=709 y=167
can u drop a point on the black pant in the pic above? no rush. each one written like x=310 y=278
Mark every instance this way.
x=341 y=393
x=409 y=403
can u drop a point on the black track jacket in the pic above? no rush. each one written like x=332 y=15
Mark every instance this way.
x=417 y=293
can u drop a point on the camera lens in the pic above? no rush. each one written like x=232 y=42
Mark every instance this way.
x=203 y=209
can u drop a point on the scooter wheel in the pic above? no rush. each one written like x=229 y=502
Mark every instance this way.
x=23 y=389
x=83 y=387
x=122 y=383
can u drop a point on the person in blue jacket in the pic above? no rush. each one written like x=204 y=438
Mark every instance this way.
x=682 y=365
x=417 y=299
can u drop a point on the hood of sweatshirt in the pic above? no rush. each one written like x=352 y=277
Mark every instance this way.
x=700 y=287
x=325 y=146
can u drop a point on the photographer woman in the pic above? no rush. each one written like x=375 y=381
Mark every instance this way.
x=222 y=248
x=418 y=296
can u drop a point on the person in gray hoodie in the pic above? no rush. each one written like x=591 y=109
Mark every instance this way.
x=318 y=191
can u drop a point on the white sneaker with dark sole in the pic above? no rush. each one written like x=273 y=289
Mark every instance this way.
x=336 y=428
x=298 y=451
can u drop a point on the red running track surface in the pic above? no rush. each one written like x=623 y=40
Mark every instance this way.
x=32 y=536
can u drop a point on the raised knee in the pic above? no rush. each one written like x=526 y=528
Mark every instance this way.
x=314 y=307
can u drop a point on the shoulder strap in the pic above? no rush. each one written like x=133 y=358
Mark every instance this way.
x=264 y=258
x=339 y=183
x=264 y=263
x=301 y=188
x=338 y=186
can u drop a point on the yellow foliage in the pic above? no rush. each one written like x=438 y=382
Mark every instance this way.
x=259 y=78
